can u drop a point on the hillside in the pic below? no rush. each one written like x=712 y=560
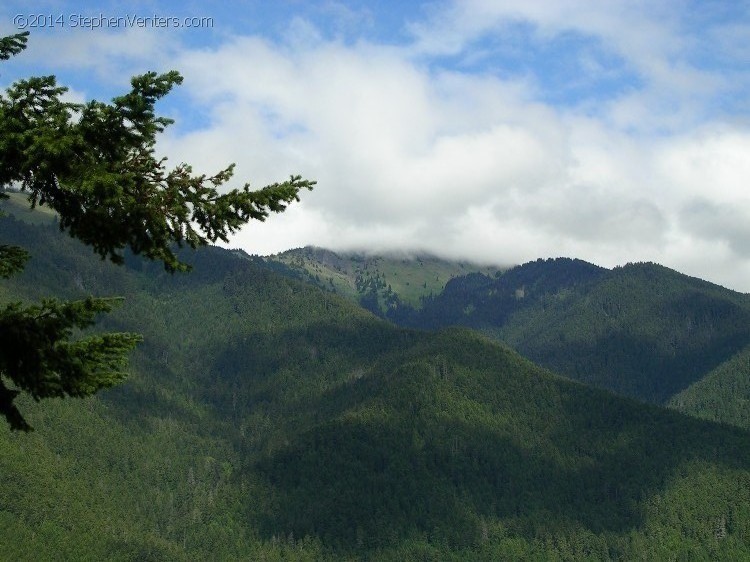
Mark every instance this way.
x=722 y=395
x=268 y=419
x=378 y=282
x=641 y=330
x=18 y=204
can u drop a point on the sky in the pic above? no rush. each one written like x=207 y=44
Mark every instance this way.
x=499 y=131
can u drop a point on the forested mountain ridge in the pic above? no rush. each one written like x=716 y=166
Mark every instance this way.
x=268 y=419
x=641 y=330
x=722 y=395
x=482 y=301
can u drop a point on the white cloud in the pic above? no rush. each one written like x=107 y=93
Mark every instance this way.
x=411 y=157
x=653 y=41
x=709 y=162
x=113 y=56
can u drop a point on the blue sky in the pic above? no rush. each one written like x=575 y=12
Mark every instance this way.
x=498 y=131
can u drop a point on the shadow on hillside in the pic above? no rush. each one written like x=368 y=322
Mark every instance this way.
x=634 y=365
x=401 y=457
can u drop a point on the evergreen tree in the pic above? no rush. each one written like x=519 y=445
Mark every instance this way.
x=95 y=165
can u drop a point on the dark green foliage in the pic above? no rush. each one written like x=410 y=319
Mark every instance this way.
x=94 y=164
x=722 y=395
x=39 y=356
x=266 y=418
x=12 y=45
x=12 y=260
x=492 y=300
x=640 y=330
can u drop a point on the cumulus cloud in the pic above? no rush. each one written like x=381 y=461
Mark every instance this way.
x=723 y=223
x=412 y=156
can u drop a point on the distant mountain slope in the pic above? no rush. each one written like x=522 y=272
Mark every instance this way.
x=478 y=300
x=642 y=330
x=472 y=435
x=378 y=282
x=18 y=205
x=722 y=395
x=268 y=419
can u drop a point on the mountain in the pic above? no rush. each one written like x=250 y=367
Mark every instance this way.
x=378 y=282
x=18 y=204
x=268 y=419
x=640 y=330
x=722 y=395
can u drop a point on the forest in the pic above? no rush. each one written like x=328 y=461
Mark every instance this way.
x=267 y=418
x=640 y=330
